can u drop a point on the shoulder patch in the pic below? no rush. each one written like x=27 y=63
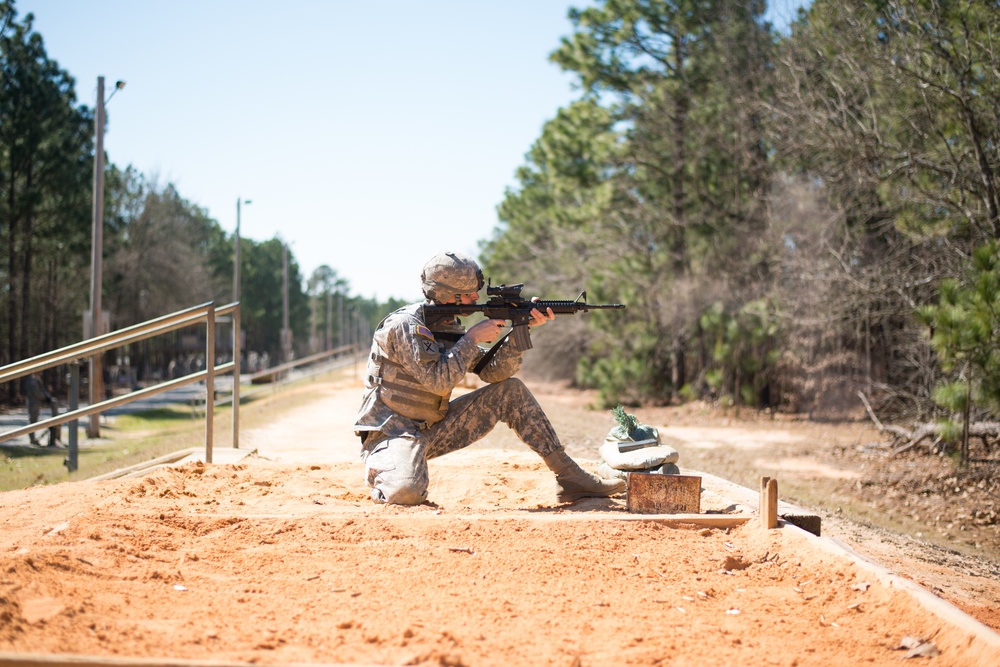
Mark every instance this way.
x=421 y=330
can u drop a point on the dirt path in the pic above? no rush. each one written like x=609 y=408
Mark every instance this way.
x=282 y=558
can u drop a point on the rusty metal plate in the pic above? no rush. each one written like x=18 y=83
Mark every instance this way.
x=650 y=493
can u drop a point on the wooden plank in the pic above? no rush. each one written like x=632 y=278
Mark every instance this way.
x=74 y=660
x=651 y=493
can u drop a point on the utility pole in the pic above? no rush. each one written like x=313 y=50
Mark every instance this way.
x=313 y=316
x=286 y=332
x=354 y=340
x=96 y=261
x=96 y=382
x=340 y=319
x=236 y=251
x=329 y=319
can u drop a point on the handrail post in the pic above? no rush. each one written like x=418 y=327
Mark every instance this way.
x=72 y=458
x=237 y=352
x=209 y=380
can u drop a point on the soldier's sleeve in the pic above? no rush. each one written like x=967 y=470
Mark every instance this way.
x=503 y=365
x=412 y=346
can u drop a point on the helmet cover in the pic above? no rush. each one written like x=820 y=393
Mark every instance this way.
x=449 y=273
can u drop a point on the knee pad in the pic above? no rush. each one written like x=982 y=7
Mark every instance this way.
x=400 y=492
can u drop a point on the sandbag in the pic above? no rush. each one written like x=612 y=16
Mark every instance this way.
x=640 y=436
x=634 y=447
x=637 y=459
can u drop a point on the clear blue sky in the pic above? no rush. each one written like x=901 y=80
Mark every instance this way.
x=369 y=135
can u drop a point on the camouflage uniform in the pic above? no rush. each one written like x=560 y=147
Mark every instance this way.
x=407 y=416
x=36 y=393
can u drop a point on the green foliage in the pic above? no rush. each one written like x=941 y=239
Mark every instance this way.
x=44 y=176
x=952 y=396
x=262 y=304
x=618 y=378
x=687 y=393
x=167 y=253
x=965 y=326
x=950 y=430
x=561 y=196
x=656 y=188
x=641 y=190
x=745 y=346
x=894 y=103
x=626 y=422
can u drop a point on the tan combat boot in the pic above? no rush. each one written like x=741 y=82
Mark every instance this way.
x=576 y=483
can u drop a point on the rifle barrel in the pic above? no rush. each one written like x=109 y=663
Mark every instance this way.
x=573 y=306
x=560 y=306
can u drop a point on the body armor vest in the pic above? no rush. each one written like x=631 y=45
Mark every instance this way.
x=397 y=388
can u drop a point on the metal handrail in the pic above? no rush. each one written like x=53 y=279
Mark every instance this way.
x=183 y=318
x=274 y=370
x=115 y=402
x=92 y=346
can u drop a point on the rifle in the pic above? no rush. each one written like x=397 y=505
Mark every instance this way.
x=506 y=303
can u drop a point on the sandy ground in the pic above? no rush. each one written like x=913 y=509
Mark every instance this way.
x=281 y=558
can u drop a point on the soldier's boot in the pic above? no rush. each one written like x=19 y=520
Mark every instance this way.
x=575 y=483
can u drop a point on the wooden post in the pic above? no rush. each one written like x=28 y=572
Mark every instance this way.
x=209 y=382
x=237 y=354
x=761 y=500
x=771 y=510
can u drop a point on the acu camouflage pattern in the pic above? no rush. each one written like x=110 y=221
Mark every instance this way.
x=407 y=416
x=447 y=274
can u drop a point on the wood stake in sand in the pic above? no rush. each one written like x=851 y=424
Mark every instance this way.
x=770 y=503
x=762 y=498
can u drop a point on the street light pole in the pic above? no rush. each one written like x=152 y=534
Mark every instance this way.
x=236 y=250
x=96 y=260
x=313 y=316
x=286 y=332
x=329 y=320
x=97 y=254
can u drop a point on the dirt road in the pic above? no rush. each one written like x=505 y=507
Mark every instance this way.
x=282 y=558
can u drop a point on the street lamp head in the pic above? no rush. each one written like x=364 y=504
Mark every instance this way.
x=118 y=86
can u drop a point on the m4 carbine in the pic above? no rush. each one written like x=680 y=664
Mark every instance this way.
x=506 y=303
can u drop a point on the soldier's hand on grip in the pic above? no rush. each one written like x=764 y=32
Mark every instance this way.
x=486 y=331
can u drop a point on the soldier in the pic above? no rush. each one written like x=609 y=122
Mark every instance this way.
x=407 y=415
x=36 y=393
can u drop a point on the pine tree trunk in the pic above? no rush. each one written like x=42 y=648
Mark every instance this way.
x=26 y=345
x=964 y=459
x=11 y=388
x=678 y=368
x=681 y=104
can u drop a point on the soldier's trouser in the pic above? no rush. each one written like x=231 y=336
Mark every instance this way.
x=33 y=411
x=396 y=468
x=55 y=432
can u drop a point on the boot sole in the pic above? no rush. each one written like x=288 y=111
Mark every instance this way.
x=580 y=495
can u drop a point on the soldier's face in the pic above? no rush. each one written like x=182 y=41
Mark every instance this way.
x=464 y=299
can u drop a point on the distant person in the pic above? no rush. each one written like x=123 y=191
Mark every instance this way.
x=55 y=432
x=36 y=394
x=407 y=415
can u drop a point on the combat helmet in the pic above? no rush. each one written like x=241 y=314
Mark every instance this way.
x=449 y=273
